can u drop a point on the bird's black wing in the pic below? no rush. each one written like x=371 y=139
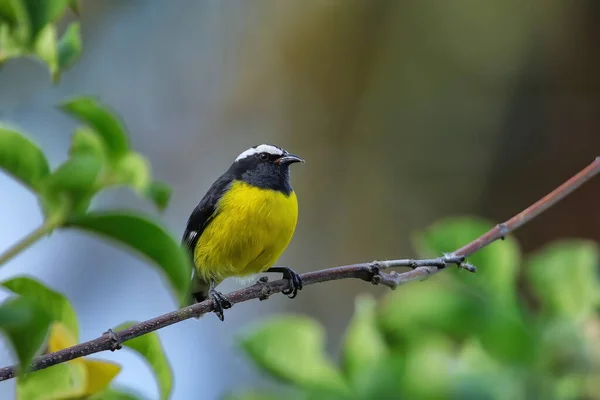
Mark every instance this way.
x=204 y=212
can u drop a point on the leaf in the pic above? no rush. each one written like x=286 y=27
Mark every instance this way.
x=45 y=47
x=77 y=175
x=60 y=337
x=85 y=141
x=25 y=325
x=148 y=238
x=99 y=375
x=15 y=33
x=72 y=185
x=159 y=193
x=252 y=395
x=149 y=347
x=75 y=6
x=8 y=12
x=415 y=311
x=428 y=373
x=364 y=344
x=21 y=158
x=68 y=49
x=61 y=381
x=42 y=13
x=497 y=263
x=114 y=394
x=564 y=276
x=133 y=170
x=55 y=304
x=291 y=348
x=97 y=116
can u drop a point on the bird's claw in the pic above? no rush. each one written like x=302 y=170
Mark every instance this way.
x=295 y=282
x=220 y=303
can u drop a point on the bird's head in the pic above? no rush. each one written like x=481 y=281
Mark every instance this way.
x=266 y=166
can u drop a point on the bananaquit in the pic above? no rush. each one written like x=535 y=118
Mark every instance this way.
x=243 y=224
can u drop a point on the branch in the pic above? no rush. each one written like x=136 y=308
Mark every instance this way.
x=370 y=272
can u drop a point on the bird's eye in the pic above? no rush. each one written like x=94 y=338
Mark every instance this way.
x=263 y=156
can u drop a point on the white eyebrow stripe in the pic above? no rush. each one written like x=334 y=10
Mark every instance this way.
x=263 y=148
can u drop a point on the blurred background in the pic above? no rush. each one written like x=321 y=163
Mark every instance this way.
x=404 y=111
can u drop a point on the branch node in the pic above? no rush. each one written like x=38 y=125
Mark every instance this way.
x=264 y=290
x=390 y=280
x=115 y=341
x=375 y=270
x=468 y=267
x=503 y=229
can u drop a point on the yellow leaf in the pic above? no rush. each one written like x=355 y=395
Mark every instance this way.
x=60 y=338
x=97 y=374
x=100 y=374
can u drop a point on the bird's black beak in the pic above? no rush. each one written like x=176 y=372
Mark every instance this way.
x=288 y=159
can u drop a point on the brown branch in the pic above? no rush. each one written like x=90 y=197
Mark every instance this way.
x=370 y=272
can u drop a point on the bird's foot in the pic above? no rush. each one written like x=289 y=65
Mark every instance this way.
x=293 y=278
x=220 y=302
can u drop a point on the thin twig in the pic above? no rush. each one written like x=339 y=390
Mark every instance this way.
x=24 y=243
x=370 y=272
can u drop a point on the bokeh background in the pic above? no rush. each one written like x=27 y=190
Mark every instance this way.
x=404 y=111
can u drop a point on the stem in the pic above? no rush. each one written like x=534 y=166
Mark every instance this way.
x=48 y=226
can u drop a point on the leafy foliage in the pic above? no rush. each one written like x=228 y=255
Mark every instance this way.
x=25 y=324
x=29 y=28
x=55 y=304
x=22 y=159
x=291 y=349
x=100 y=158
x=460 y=335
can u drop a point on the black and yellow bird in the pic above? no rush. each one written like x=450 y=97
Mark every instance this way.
x=244 y=223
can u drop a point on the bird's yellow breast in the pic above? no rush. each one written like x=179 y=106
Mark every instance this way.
x=251 y=228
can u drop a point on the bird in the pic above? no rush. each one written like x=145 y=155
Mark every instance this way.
x=243 y=224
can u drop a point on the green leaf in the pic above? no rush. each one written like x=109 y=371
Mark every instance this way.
x=254 y=395
x=133 y=170
x=15 y=32
x=564 y=276
x=21 y=158
x=159 y=193
x=55 y=304
x=68 y=48
x=78 y=174
x=115 y=394
x=42 y=13
x=428 y=373
x=25 y=325
x=85 y=141
x=75 y=6
x=62 y=381
x=291 y=349
x=148 y=238
x=149 y=347
x=102 y=120
x=364 y=344
x=72 y=185
x=417 y=310
x=506 y=336
x=497 y=264
x=45 y=47
x=8 y=12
